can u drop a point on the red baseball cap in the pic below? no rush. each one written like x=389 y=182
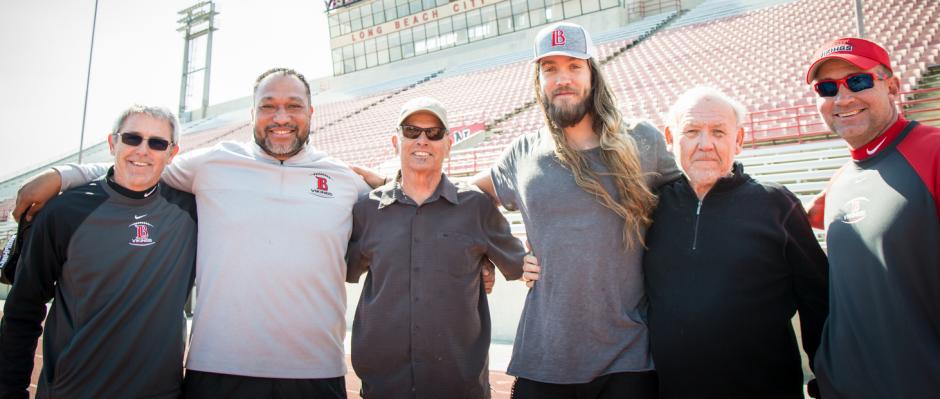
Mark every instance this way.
x=859 y=52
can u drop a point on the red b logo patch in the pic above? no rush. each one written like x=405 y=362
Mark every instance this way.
x=322 y=185
x=558 y=37
x=141 y=234
x=853 y=211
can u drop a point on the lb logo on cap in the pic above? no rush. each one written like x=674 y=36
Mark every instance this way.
x=558 y=37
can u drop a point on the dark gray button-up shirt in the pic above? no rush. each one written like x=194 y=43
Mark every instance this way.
x=422 y=327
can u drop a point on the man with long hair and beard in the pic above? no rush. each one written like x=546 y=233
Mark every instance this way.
x=583 y=183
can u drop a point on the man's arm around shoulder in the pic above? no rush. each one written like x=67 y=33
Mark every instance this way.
x=484 y=181
x=39 y=189
x=503 y=249
x=357 y=261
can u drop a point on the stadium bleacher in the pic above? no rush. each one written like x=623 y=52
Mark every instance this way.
x=714 y=10
x=756 y=53
x=471 y=93
x=755 y=50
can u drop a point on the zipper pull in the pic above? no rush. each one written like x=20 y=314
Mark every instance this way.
x=698 y=211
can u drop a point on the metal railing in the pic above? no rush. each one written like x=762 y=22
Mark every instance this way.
x=803 y=122
x=644 y=8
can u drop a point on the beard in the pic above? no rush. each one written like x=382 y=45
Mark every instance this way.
x=567 y=114
x=263 y=139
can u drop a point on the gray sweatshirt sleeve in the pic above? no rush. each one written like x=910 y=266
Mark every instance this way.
x=74 y=175
x=657 y=162
x=503 y=174
x=179 y=174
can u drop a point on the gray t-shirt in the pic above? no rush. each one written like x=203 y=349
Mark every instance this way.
x=582 y=320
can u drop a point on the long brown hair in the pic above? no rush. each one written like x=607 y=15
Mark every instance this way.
x=618 y=153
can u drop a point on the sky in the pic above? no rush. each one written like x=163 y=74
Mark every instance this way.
x=137 y=58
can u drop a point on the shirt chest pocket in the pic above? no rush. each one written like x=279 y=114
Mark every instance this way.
x=457 y=253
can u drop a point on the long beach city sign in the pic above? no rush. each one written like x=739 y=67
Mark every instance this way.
x=444 y=11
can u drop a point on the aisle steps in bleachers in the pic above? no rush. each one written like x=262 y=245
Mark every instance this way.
x=711 y=10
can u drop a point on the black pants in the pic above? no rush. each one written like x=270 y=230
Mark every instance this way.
x=203 y=385
x=640 y=385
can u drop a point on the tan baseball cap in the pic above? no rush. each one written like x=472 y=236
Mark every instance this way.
x=423 y=104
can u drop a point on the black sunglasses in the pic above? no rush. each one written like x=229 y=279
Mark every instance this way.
x=855 y=82
x=134 y=139
x=413 y=132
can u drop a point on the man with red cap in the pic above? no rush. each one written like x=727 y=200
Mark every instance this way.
x=882 y=214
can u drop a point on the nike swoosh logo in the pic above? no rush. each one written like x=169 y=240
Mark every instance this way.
x=874 y=149
x=140 y=217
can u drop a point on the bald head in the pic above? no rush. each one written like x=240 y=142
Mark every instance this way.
x=706 y=134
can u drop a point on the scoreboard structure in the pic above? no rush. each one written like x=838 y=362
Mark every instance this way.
x=368 y=33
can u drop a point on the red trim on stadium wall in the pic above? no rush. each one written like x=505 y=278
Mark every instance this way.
x=464 y=132
x=444 y=11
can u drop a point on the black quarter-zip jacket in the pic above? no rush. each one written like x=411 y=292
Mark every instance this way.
x=724 y=276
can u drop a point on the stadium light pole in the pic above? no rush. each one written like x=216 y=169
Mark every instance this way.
x=91 y=49
x=196 y=21
x=860 y=19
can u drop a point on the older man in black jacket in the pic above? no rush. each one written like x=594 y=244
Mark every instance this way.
x=729 y=262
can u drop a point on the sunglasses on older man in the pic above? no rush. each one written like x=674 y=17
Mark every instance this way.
x=413 y=132
x=855 y=82
x=134 y=139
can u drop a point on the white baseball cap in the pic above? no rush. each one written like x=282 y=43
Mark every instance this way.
x=564 y=38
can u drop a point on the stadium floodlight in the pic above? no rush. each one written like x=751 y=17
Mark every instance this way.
x=860 y=18
x=196 y=21
x=91 y=49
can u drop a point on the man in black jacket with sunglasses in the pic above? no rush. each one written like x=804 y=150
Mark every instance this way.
x=118 y=255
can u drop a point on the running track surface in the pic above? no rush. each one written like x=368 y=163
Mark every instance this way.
x=500 y=382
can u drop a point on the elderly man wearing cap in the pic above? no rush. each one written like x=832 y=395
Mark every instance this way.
x=422 y=327
x=882 y=214
x=729 y=262
x=583 y=184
